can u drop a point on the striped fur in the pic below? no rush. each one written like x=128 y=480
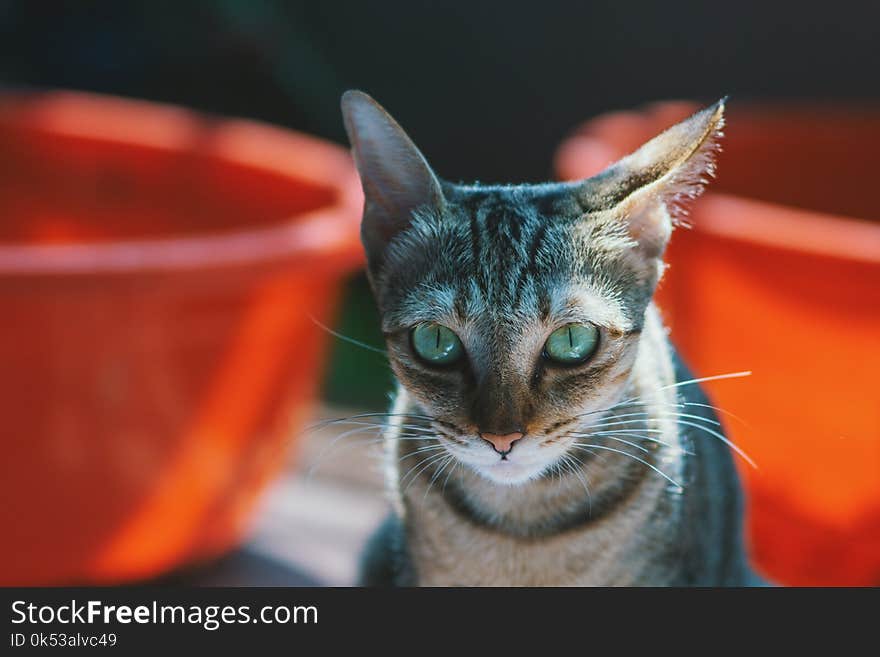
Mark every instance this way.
x=503 y=267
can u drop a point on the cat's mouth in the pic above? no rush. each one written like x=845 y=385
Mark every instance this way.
x=511 y=472
x=526 y=462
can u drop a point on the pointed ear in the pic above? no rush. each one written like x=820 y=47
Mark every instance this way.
x=397 y=179
x=649 y=188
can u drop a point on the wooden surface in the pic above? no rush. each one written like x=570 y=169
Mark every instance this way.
x=317 y=516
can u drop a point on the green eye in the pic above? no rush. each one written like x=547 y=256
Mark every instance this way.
x=573 y=343
x=436 y=344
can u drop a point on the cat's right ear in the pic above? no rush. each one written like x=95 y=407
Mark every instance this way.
x=396 y=178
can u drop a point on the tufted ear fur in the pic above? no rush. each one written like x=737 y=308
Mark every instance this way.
x=648 y=188
x=396 y=178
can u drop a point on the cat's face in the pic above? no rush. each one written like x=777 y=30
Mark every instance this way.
x=513 y=314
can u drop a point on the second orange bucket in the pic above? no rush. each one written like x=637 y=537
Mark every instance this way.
x=780 y=275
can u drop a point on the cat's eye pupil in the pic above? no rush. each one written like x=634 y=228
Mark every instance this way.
x=436 y=344
x=572 y=343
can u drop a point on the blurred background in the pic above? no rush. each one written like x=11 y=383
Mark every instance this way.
x=490 y=91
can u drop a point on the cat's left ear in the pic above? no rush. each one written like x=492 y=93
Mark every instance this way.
x=396 y=177
x=648 y=188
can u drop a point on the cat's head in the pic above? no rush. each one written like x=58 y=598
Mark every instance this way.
x=510 y=312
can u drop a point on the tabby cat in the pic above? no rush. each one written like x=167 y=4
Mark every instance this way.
x=544 y=431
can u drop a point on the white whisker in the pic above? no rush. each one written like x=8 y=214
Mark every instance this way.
x=641 y=437
x=345 y=338
x=634 y=457
x=437 y=473
x=449 y=474
x=724 y=440
x=717 y=377
x=659 y=414
x=420 y=450
x=627 y=442
x=425 y=463
x=637 y=398
x=575 y=469
x=358 y=416
x=323 y=453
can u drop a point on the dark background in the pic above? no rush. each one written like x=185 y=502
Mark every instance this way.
x=487 y=89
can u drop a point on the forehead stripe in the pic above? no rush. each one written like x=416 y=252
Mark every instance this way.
x=530 y=267
x=536 y=245
x=476 y=252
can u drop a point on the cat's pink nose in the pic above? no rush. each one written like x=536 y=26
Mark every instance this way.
x=502 y=444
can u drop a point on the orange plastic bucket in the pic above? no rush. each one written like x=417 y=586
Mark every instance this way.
x=158 y=271
x=780 y=275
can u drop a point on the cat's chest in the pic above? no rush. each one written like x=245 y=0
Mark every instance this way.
x=447 y=552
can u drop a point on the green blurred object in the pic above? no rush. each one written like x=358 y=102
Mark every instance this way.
x=358 y=377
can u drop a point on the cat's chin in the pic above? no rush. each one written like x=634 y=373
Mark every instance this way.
x=510 y=473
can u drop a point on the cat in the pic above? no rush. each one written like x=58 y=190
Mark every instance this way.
x=538 y=435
